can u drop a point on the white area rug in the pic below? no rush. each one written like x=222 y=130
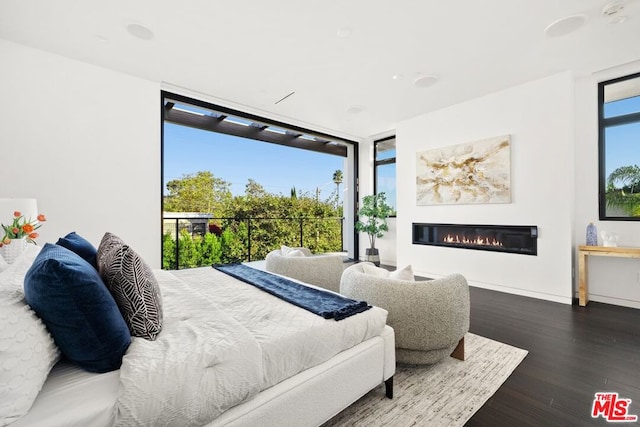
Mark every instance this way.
x=445 y=394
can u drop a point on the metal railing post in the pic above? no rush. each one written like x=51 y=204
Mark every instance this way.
x=177 y=245
x=301 y=232
x=249 y=239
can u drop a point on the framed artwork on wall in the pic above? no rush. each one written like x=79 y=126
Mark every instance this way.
x=470 y=173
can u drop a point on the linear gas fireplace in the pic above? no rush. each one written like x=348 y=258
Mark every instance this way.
x=517 y=239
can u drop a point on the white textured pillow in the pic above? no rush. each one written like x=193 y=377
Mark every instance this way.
x=374 y=271
x=284 y=250
x=405 y=273
x=3 y=264
x=296 y=253
x=27 y=351
x=12 y=277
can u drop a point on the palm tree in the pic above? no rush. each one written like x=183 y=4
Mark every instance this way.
x=337 y=180
x=627 y=195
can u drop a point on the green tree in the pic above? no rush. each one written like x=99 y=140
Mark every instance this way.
x=188 y=254
x=210 y=249
x=254 y=189
x=168 y=252
x=623 y=190
x=257 y=220
x=199 y=192
x=233 y=245
x=337 y=180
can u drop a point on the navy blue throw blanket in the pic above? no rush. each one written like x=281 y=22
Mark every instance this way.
x=322 y=303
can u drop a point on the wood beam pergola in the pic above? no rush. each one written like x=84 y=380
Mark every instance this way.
x=256 y=130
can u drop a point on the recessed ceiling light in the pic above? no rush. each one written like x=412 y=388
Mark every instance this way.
x=565 y=26
x=355 y=109
x=425 y=80
x=397 y=77
x=140 y=31
x=343 y=33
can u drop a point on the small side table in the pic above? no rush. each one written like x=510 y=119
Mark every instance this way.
x=584 y=251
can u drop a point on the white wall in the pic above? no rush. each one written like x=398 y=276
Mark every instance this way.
x=84 y=141
x=611 y=280
x=539 y=116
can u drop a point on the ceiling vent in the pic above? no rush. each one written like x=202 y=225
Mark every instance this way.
x=613 y=8
x=614 y=12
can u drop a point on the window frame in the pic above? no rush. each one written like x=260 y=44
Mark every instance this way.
x=603 y=124
x=383 y=162
x=317 y=141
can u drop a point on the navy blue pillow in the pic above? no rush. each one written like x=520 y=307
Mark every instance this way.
x=78 y=244
x=77 y=308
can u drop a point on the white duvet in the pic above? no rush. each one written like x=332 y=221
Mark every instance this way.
x=222 y=342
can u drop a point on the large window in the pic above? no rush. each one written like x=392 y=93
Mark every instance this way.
x=236 y=186
x=385 y=170
x=619 y=148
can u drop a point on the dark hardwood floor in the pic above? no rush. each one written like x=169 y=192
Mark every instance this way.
x=574 y=352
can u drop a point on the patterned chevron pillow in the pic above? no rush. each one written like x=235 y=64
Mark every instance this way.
x=133 y=286
x=109 y=241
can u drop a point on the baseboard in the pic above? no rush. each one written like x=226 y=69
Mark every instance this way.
x=614 y=301
x=509 y=290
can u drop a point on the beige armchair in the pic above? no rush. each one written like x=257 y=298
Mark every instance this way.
x=322 y=270
x=430 y=318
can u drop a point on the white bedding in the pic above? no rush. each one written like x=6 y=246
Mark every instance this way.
x=291 y=339
x=72 y=397
x=222 y=342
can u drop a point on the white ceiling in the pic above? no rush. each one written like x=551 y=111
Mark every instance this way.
x=250 y=54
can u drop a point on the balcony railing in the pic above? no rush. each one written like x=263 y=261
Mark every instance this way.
x=188 y=244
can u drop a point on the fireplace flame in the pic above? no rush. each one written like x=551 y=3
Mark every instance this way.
x=478 y=241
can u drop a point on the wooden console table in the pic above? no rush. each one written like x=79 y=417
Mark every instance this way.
x=584 y=251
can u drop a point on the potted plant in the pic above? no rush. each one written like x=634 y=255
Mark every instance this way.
x=375 y=212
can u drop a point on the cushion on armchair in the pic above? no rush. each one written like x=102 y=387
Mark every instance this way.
x=322 y=270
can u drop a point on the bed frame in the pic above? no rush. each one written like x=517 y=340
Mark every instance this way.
x=309 y=398
x=316 y=395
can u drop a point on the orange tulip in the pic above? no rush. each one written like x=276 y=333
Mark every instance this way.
x=41 y=218
x=15 y=230
x=17 y=214
x=6 y=241
x=33 y=235
x=27 y=228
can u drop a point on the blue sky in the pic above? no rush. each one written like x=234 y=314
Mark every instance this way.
x=622 y=142
x=277 y=168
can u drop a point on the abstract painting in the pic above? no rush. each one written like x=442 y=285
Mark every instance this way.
x=474 y=172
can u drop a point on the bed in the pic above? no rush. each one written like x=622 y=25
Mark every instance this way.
x=227 y=354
